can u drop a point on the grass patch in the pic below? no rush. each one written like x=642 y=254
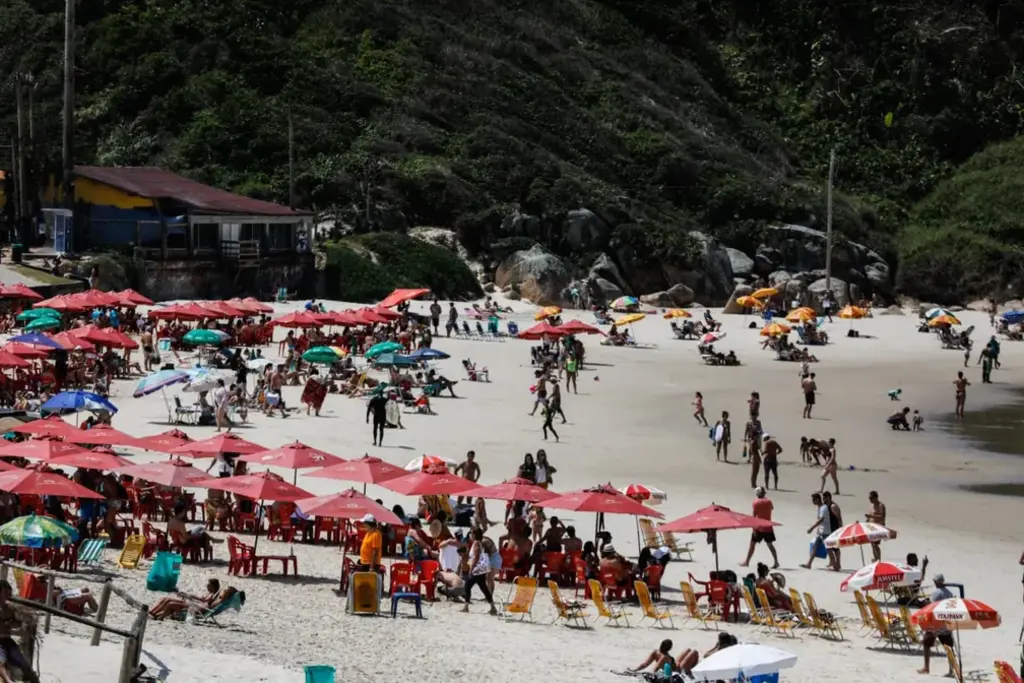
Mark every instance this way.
x=39 y=276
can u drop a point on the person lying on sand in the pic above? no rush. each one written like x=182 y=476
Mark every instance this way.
x=172 y=606
x=685 y=662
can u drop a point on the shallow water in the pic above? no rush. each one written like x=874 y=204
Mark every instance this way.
x=997 y=429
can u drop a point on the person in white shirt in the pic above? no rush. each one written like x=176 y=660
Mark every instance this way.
x=822 y=527
x=221 y=401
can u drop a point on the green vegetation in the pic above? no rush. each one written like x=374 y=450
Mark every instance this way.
x=662 y=116
x=368 y=267
x=40 y=276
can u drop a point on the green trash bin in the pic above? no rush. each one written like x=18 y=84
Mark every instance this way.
x=16 y=251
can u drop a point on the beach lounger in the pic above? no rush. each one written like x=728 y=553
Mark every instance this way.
x=890 y=632
x=522 y=594
x=603 y=610
x=867 y=622
x=825 y=622
x=961 y=676
x=647 y=531
x=777 y=620
x=693 y=610
x=757 y=615
x=134 y=547
x=209 y=616
x=572 y=613
x=91 y=551
x=913 y=634
x=798 y=611
x=648 y=608
x=677 y=548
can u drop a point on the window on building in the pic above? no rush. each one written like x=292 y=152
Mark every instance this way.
x=205 y=236
x=280 y=237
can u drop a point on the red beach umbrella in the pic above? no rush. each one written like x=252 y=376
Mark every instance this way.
x=541 y=330
x=881 y=575
x=515 y=489
x=258 y=305
x=129 y=297
x=431 y=484
x=90 y=333
x=293 y=456
x=61 y=302
x=70 y=342
x=348 y=504
x=102 y=435
x=175 y=473
x=24 y=350
x=366 y=470
x=604 y=499
x=222 y=443
x=224 y=309
x=369 y=316
x=387 y=313
x=52 y=426
x=578 y=327
x=118 y=338
x=164 y=442
x=400 y=296
x=346 y=318
x=259 y=486
x=93 y=460
x=19 y=291
x=713 y=519
x=956 y=613
x=9 y=360
x=297 y=319
x=36 y=483
x=7 y=467
x=40 y=449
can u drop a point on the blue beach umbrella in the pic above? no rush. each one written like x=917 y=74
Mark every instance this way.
x=37 y=339
x=427 y=354
x=158 y=381
x=77 y=400
x=1013 y=317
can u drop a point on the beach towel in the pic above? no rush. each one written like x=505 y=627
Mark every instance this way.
x=314 y=393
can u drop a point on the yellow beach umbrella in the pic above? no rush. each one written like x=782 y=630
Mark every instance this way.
x=765 y=293
x=676 y=313
x=852 y=313
x=630 y=319
x=801 y=315
x=749 y=302
x=547 y=312
x=943 y=320
x=775 y=329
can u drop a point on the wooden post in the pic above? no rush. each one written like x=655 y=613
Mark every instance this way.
x=3 y=576
x=101 y=613
x=133 y=646
x=50 y=585
x=143 y=620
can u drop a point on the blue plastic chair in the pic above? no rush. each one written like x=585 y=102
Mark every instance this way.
x=163 y=575
x=399 y=596
x=319 y=673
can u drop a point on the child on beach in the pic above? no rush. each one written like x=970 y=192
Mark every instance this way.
x=917 y=421
x=698 y=409
x=537 y=519
x=894 y=394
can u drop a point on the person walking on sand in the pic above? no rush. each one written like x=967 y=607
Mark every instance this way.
x=985 y=359
x=377 y=407
x=752 y=447
x=771 y=449
x=541 y=396
x=556 y=400
x=698 y=409
x=221 y=401
x=941 y=634
x=470 y=471
x=763 y=507
x=722 y=437
x=453 y=321
x=754 y=404
x=835 y=521
x=876 y=515
x=809 y=386
x=571 y=371
x=549 y=414
x=435 y=316
x=831 y=467
x=961 y=385
x=479 y=569
x=820 y=528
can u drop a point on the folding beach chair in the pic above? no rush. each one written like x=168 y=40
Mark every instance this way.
x=603 y=610
x=522 y=594
x=648 y=608
x=572 y=613
x=961 y=676
x=647 y=531
x=677 y=548
x=1005 y=672
x=865 y=617
x=209 y=616
x=693 y=610
x=825 y=622
x=777 y=620
x=757 y=616
x=91 y=551
x=134 y=546
x=890 y=632
x=798 y=611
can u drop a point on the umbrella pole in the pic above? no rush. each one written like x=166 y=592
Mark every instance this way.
x=257 y=525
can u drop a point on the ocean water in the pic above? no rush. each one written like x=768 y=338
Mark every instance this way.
x=997 y=429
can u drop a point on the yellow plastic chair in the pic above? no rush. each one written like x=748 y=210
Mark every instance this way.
x=776 y=619
x=603 y=610
x=648 y=608
x=798 y=611
x=756 y=613
x=890 y=637
x=826 y=624
x=132 y=551
x=693 y=610
x=913 y=634
x=573 y=613
x=865 y=617
x=522 y=594
x=1005 y=672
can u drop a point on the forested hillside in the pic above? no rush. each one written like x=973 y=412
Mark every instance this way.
x=662 y=117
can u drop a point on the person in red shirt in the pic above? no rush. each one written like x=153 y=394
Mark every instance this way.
x=762 y=510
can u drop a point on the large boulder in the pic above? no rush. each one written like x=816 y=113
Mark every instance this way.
x=840 y=290
x=879 y=276
x=658 y=300
x=779 y=278
x=740 y=290
x=603 y=291
x=681 y=295
x=604 y=268
x=585 y=231
x=717 y=283
x=767 y=259
x=740 y=263
x=540 y=275
x=519 y=224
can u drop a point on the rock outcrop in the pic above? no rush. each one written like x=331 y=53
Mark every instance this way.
x=740 y=290
x=541 y=276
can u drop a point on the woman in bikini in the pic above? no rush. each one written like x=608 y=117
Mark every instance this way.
x=961 y=385
x=698 y=409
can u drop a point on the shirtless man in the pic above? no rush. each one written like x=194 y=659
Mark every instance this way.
x=809 y=387
x=876 y=515
x=752 y=436
x=542 y=391
x=772 y=449
x=835 y=522
x=470 y=471
x=146 y=341
x=831 y=467
x=961 y=385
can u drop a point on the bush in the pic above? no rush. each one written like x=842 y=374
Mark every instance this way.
x=365 y=268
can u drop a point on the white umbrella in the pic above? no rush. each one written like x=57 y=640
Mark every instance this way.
x=202 y=380
x=747 y=659
x=258 y=363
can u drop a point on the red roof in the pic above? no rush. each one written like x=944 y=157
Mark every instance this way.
x=156 y=183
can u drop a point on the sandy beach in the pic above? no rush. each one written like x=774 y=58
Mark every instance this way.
x=630 y=423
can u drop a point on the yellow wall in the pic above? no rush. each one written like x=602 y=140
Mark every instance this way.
x=98 y=194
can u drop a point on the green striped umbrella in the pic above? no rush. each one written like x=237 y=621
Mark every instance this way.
x=32 y=531
x=325 y=355
x=35 y=313
x=43 y=323
x=383 y=347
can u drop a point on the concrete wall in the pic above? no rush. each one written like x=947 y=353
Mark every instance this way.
x=163 y=281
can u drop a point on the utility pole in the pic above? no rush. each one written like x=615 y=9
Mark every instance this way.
x=291 y=161
x=69 y=103
x=19 y=171
x=14 y=178
x=828 y=230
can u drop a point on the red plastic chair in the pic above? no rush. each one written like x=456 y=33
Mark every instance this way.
x=155 y=540
x=239 y=561
x=509 y=556
x=396 y=545
x=329 y=526
x=552 y=566
x=428 y=570
x=402 y=576
x=652 y=577
x=580 y=576
x=611 y=587
x=282 y=530
x=248 y=553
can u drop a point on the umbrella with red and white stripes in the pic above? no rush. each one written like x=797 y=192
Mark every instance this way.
x=645 y=494
x=881 y=575
x=426 y=463
x=956 y=613
x=858 y=533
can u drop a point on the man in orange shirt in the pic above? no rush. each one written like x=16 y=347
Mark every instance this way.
x=762 y=510
x=370 y=552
